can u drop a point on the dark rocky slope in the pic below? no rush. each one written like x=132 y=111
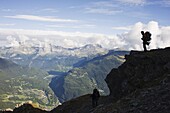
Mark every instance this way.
x=140 y=85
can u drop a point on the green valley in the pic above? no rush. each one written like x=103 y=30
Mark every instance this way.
x=21 y=84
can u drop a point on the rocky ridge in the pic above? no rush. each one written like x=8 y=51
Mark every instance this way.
x=141 y=84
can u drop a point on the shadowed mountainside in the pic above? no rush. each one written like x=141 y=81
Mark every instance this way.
x=83 y=79
x=140 y=85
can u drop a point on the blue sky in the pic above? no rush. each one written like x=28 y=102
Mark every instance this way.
x=94 y=16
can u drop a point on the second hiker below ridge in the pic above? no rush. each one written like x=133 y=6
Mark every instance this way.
x=95 y=97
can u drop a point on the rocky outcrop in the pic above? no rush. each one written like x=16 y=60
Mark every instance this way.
x=25 y=108
x=141 y=84
x=28 y=108
x=141 y=70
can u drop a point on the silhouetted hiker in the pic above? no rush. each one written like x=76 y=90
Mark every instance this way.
x=95 y=97
x=146 y=37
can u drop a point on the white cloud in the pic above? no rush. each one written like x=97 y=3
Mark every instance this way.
x=46 y=33
x=56 y=26
x=23 y=39
x=163 y=3
x=65 y=39
x=102 y=11
x=160 y=36
x=133 y=2
x=70 y=43
x=40 y=18
x=2 y=24
x=103 y=7
x=50 y=10
x=72 y=26
x=6 y=10
x=12 y=41
x=125 y=28
x=46 y=10
x=128 y=41
x=104 y=4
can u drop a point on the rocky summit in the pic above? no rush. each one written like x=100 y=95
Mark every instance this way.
x=140 y=85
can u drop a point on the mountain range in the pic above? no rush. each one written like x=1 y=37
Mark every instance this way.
x=50 y=57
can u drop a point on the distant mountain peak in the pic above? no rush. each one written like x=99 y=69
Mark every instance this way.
x=4 y=64
x=93 y=45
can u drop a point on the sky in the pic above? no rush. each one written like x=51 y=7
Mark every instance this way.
x=74 y=23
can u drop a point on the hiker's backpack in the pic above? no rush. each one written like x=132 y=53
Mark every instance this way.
x=147 y=36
